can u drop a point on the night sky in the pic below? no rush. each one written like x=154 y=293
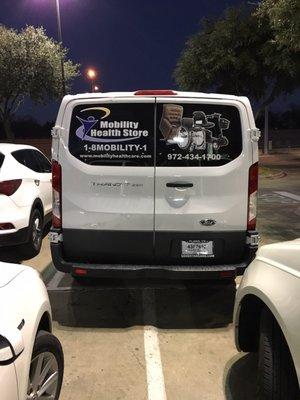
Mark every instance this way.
x=133 y=43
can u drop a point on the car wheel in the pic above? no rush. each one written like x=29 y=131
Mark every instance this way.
x=33 y=246
x=46 y=368
x=277 y=378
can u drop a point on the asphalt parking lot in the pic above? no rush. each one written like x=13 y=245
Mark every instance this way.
x=141 y=340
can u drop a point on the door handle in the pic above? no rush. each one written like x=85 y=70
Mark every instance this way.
x=179 y=184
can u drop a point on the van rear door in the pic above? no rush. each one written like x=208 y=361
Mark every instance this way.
x=107 y=161
x=203 y=155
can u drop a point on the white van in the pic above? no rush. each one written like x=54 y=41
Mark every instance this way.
x=154 y=183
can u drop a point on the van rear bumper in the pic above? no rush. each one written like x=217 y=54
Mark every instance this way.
x=128 y=271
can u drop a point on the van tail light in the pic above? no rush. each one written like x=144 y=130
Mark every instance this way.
x=8 y=188
x=80 y=271
x=56 y=194
x=252 y=197
x=155 y=93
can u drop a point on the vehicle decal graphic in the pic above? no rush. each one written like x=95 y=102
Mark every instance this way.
x=104 y=109
x=201 y=132
x=120 y=134
x=104 y=131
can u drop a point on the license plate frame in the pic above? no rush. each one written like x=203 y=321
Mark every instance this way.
x=197 y=249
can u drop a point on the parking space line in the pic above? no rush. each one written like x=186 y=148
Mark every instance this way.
x=289 y=195
x=155 y=377
x=55 y=281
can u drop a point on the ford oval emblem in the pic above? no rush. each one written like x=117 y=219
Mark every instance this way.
x=207 y=222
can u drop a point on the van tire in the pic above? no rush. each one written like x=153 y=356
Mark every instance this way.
x=35 y=235
x=277 y=378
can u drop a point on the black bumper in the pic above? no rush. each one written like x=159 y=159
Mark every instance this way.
x=221 y=271
x=13 y=239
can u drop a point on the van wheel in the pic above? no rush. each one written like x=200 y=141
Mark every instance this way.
x=33 y=246
x=277 y=378
x=46 y=368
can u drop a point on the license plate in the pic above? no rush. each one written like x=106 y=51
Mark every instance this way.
x=197 y=248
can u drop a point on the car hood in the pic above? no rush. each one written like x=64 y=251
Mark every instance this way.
x=284 y=253
x=8 y=272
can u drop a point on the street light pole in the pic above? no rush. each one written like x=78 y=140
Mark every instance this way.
x=59 y=31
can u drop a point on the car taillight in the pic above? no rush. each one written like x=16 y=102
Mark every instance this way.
x=56 y=195
x=155 y=93
x=252 y=197
x=8 y=188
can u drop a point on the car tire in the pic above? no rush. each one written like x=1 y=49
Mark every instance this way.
x=47 y=350
x=277 y=378
x=35 y=229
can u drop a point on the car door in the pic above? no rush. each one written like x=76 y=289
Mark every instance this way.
x=44 y=176
x=106 y=154
x=203 y=156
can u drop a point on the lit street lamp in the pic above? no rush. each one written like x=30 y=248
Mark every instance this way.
x=91 y=74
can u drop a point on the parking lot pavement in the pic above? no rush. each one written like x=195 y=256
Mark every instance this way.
x=279 y=206
x=141 y=340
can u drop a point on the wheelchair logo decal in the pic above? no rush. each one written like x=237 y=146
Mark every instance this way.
x=203 y=133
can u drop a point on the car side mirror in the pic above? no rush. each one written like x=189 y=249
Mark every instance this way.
x=11 y=345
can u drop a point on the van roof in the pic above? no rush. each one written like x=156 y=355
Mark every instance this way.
x=177 y=94
x=98 y=95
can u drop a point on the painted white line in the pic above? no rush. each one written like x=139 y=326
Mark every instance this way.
x=289 y=195
x=155 y=377
x=55 y=281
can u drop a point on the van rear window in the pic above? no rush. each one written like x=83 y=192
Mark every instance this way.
x=113 y=134
x=123 y=134
x=197 y=134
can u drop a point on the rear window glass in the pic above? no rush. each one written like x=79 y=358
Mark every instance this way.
x=26 y=157
x=197 y=134
x=113 y=134
x=1 y=159
x=44 y=163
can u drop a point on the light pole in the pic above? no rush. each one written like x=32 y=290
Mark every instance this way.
x=59 y=32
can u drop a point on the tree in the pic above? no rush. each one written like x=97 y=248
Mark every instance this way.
x=284 y=19
x=236 y=54
x=30 y=66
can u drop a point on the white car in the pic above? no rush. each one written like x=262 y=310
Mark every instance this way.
x=154 y=183
x=31 y=357
x=25 y=197
x=267 y=318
